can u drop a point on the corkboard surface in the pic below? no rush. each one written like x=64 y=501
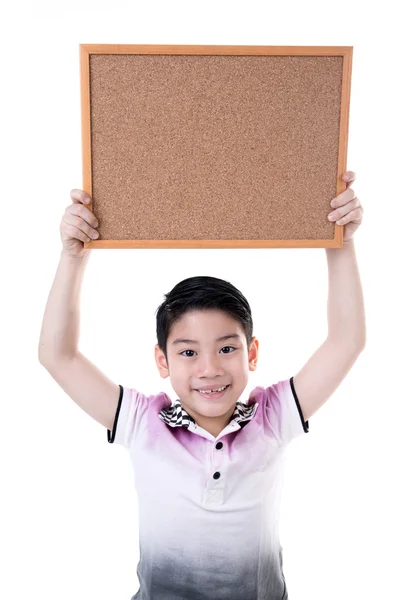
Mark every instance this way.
x=213 y=150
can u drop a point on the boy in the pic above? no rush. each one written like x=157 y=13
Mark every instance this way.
x=208 y=467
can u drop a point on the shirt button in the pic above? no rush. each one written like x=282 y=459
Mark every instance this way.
x=217 y=475
x=218 y=445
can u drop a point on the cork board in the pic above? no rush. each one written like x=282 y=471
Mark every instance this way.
x=214 y=146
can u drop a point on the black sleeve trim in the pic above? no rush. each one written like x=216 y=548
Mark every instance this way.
x=305 y=423
x=111 y=436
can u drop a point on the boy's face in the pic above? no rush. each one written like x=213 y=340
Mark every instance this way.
x=208 y=364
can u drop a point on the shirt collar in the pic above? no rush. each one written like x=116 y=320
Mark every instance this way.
x=176 y=416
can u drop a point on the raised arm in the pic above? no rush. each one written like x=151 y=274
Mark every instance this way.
x=346 y=339
x=58 y=345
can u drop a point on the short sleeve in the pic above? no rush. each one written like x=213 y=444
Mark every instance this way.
x=128 y=416
x=284 y=412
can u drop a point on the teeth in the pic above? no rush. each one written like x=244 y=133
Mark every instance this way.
x=211 y=391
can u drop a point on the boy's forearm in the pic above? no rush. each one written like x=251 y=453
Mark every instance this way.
x=346 y=313
x=59 y=335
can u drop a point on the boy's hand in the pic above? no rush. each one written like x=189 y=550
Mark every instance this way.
x=78 y=224
x=348 y=211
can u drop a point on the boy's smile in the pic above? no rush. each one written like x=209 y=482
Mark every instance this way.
x=212 y=392
x=206 y=350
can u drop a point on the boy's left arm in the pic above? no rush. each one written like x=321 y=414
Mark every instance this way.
x=346 y=339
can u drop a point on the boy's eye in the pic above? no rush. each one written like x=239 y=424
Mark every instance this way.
x=183 y=353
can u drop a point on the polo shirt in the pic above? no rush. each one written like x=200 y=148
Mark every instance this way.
x=208 y=507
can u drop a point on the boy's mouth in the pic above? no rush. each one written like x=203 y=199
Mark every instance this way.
x=215 y=395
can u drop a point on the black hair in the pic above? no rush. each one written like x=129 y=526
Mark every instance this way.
x=202 y=293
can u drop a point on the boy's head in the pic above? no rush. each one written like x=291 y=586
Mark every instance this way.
x=203 y=309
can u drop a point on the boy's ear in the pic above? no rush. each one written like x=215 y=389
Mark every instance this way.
x=161 y=362
x=253 y=353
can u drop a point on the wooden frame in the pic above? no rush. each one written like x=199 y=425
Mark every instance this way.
x=103 y=190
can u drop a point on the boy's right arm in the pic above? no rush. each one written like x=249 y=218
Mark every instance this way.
x=86 y=385
x=59 y=337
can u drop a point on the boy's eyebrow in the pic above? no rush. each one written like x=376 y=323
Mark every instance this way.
x=220 y=339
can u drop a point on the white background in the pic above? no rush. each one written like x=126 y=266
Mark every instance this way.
x=68 y=505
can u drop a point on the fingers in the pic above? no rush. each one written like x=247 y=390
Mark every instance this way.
x=80 y=196
x=354 y=216
x=82 y=227
x=345 y=210
x=81 y=217
x=349 y=176
x=343 y=198
x=75 y=233
x=84 y=213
